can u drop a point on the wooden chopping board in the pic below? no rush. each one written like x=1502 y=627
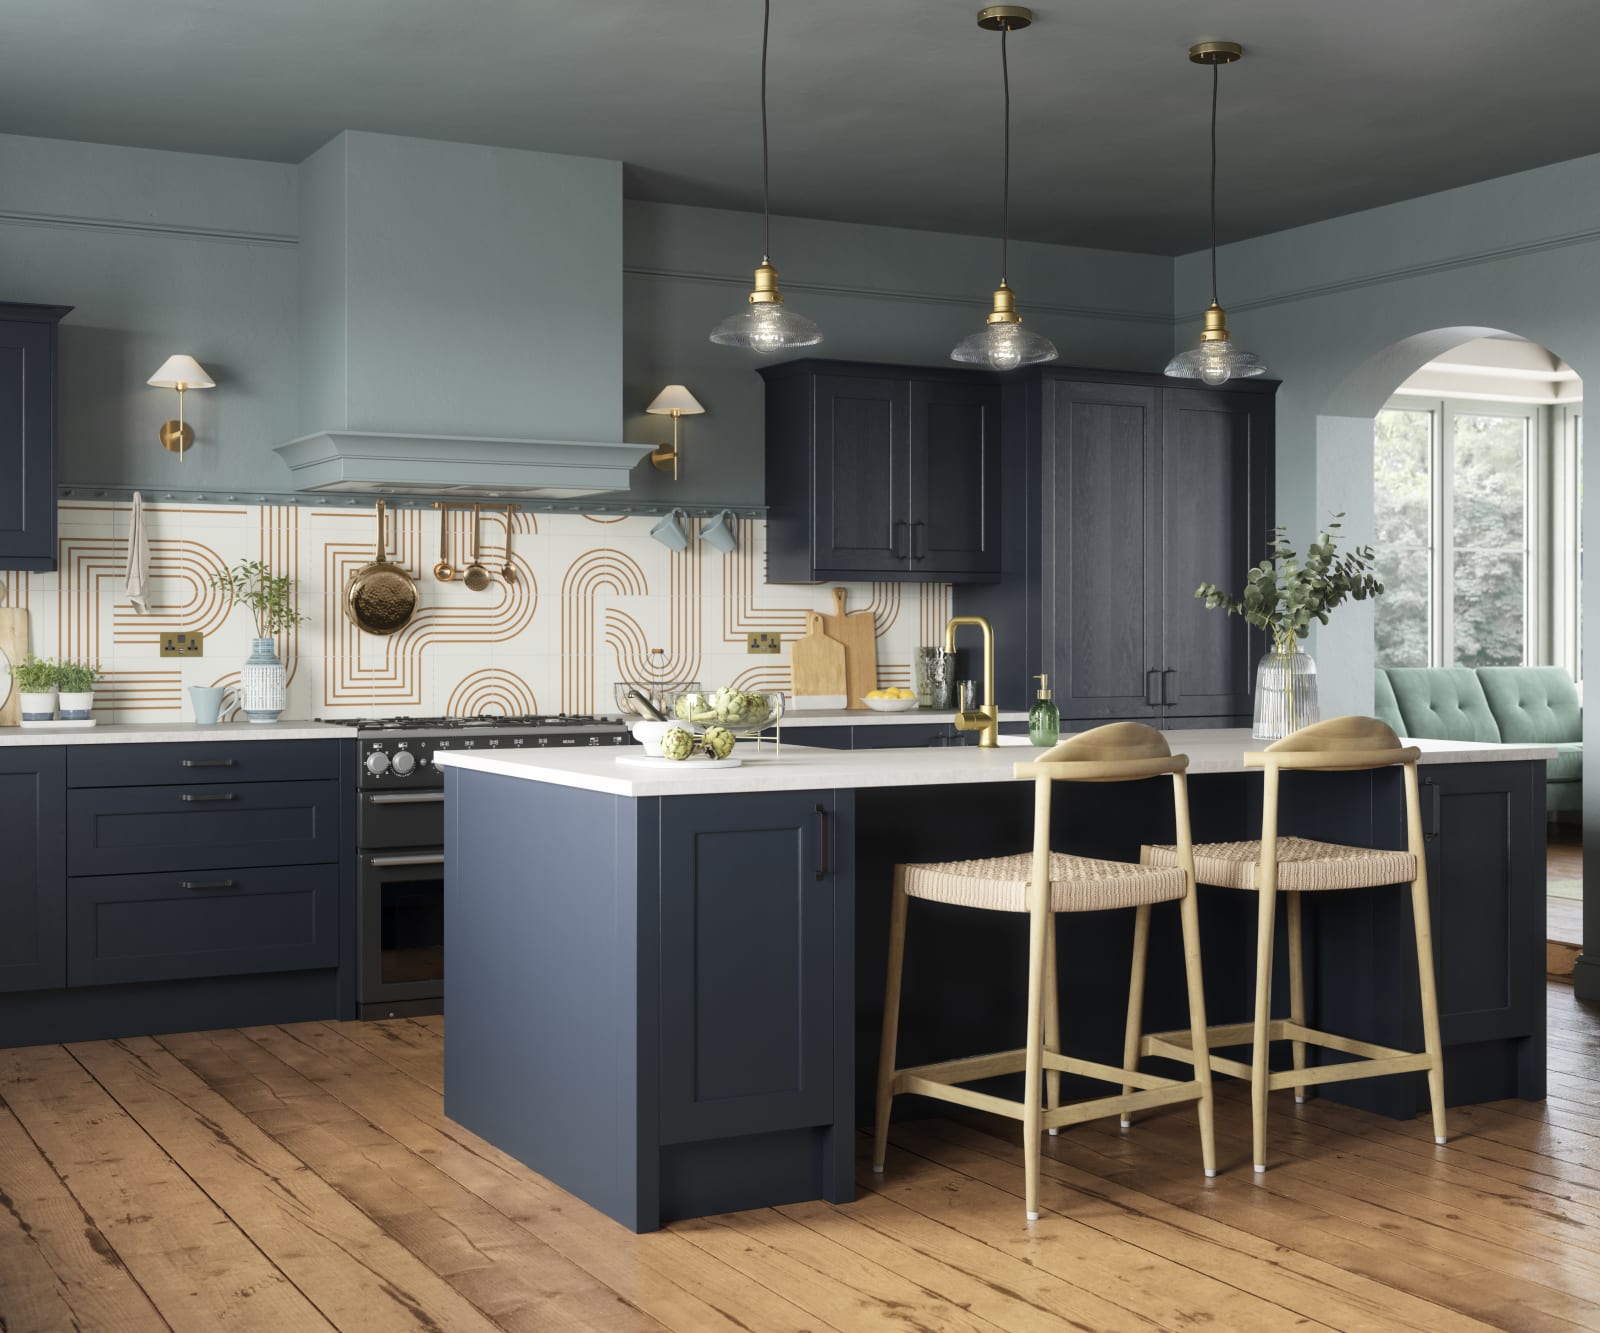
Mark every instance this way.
x=817 y=668
x=13 y=648
x=858 y=632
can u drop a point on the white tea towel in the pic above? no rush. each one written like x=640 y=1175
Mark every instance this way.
x=138 y=577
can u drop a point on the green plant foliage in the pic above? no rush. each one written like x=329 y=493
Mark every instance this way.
x=35 y=675
x=1284 y=594
x=77 y=677
x=251 y=584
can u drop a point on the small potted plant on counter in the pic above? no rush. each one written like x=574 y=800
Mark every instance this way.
x=1283 y=595
x=262 y=679
x=35 y=679
x=75 y=681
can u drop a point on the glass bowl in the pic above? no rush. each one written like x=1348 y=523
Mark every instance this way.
x=743 y=712
x=658 y=694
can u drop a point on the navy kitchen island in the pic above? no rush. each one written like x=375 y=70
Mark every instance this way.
x=665 y=985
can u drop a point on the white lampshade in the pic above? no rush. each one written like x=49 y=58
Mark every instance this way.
x=675 y=400
x=181 y=372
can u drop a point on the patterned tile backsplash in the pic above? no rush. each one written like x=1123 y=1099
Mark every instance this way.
x=594 y=600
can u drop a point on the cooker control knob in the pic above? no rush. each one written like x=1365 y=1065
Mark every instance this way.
x=404 y=762
x=377 y=763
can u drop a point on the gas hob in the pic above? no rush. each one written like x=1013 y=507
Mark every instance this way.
x=398 y=751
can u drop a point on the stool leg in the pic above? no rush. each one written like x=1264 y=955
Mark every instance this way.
x=1258 y=1053
x=891 y=1015
x=1136 y=975
x=1430 y=1005
x=1052 y=1016
x=1032 y=1114
x=1189 y=912
x=1297 y=988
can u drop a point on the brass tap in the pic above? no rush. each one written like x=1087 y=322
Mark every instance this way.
x=985 y=720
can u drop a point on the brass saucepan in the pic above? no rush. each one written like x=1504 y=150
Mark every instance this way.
x=380 y=598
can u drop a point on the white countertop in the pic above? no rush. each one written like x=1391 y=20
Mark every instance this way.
x=136 y=733
x=803 y=768
x=868 y=717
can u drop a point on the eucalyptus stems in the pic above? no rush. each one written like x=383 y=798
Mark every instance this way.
x=1284 y=593
x=267 y=595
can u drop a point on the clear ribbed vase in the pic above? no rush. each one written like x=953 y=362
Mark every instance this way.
x=1286 y=694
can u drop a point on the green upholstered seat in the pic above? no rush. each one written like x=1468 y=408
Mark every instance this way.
x=1384 y=707
x=1442 y=703
x=1567 y=766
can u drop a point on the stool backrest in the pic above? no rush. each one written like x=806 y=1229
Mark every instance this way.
x=1118 y=752
x=1339 y=745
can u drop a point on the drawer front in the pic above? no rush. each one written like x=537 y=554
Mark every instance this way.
x=169 y=926
x=204 y=761
x=123 y=830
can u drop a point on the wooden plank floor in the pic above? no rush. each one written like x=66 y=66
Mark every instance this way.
x=303 y=1177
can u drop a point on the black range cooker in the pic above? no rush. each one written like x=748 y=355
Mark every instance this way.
x=400 y=841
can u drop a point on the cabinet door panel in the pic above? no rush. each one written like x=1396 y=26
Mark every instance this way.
x=747 y=907
x=955 y=478
x=1103 y=549
x=1214 y=517
x=33 y=887
x=27 y=445
x=862 y=523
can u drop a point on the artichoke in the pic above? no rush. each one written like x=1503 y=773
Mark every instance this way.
x=677 y=743
x=719 y=742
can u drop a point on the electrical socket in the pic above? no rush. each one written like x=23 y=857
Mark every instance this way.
x=183 y=643
x=763 y=641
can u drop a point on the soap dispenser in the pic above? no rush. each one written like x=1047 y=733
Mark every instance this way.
x=1044 y=718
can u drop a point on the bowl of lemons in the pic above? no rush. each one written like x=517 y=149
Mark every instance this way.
x=893 y=699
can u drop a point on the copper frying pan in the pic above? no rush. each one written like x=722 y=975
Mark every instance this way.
x=380 y=597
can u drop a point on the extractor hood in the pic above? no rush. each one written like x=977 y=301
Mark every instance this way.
x=461 y=322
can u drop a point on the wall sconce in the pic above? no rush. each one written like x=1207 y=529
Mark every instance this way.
x=181 y=373
x=674 y=401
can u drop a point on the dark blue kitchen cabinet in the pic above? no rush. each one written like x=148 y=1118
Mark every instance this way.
x=881 y=472
x=33 y=841
x=28 y=435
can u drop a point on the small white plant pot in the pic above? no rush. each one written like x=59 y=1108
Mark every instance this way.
x=38 y=707
x=77 y=706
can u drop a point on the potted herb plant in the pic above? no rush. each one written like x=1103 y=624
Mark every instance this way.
x=269 y=597
x=1283 y=595
x=75 y=680
x=35 y=679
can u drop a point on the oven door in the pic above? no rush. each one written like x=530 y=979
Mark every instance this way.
x=400 y=819
x=400 y=926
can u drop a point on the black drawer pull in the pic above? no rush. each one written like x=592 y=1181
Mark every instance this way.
x=208 y=883
x=208 y=763
x=424 y=860
x=207 y=796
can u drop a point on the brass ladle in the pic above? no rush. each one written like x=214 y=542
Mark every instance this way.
x=477 y=577
x=444 y=571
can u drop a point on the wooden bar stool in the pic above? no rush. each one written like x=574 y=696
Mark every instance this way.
x=1043 y=883
x=1296 y=866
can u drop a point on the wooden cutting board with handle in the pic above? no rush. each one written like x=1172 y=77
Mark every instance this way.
x=817 y=668
x=13 y=648
x=858 y=632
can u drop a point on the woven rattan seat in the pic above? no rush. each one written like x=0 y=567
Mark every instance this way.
x=1304 y=866
x=1077 y=883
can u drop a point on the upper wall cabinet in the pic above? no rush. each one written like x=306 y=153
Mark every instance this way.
x=28 y=435
x=881 y=472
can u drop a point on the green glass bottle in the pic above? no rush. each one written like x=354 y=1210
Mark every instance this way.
x=1044 y=718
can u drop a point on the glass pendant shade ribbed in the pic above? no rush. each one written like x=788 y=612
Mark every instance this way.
x=767 y=326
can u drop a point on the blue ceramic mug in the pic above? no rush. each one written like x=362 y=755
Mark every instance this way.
x=207 y=703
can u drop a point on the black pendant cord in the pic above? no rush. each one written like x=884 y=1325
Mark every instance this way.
x=1005 y=176
x=1216 y=72
x=766 y=191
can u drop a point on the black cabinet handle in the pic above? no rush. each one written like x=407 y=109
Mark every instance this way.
x=1152 y=687
x=207 y=796
x=208 y=883
x=919 y=528
x=1169 y=696
x=209 y=763
x=899 y=528
x=1430 y=809
x=823 y=868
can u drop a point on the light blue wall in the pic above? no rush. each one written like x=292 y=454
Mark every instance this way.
x=879 y=293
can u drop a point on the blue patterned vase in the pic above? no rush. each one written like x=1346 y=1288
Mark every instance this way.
x=262 y=682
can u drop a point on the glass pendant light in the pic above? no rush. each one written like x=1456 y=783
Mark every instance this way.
x=768 y=325
x=1002 y=343
x=1216 y=360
